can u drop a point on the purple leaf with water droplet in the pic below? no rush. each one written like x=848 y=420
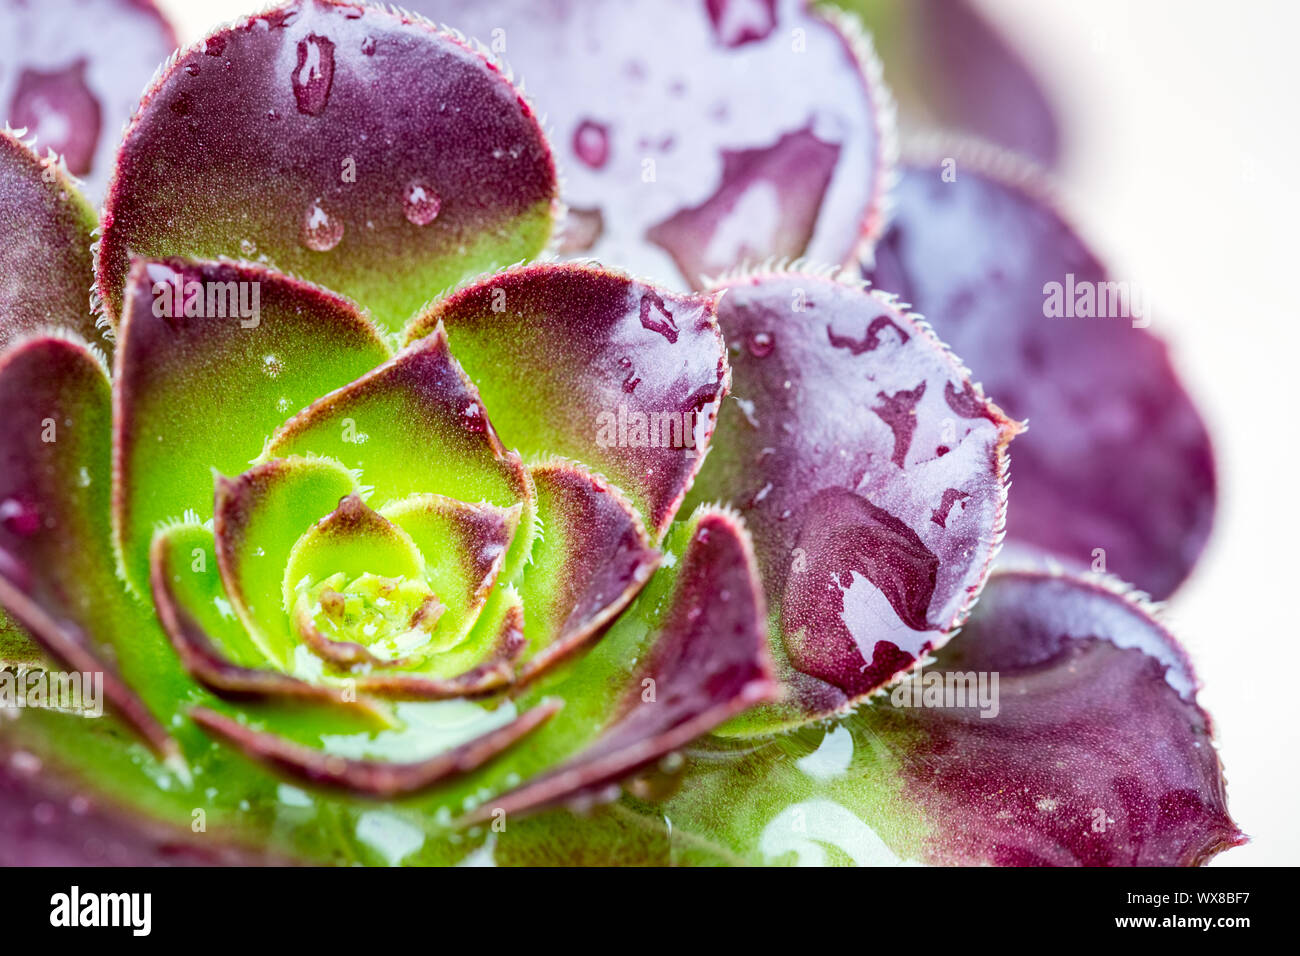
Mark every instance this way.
x=353 y=146
x=701 y=132
x=1060 y=728
x=850 y=425
x=1115 y=472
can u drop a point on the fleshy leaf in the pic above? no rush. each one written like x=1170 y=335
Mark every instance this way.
x=871 y=473
x=306 y=138
x=416 y=425
x=464 y=548
x=371 y=777
x=689 y=654
x=260 y=517
x=56 y=558
x=71 y=72
x=579 y=361
x=45 y=257
x=1116 y=472
x=354 y=540
x=211 y=642
x=201 y=385
x=951 y=69
x=481 y=662
x=1061 y=728
x=592 y=559
x=696 y=134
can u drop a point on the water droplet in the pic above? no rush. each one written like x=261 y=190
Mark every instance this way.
x=421 y=204
x=272 y=115
x=272 y=366
x=320 y=231
x=591 y=143
x=314 y=74
x=191 y=69
x=625 y=362
x=761 y=344
x=368 y=46
x=630 y=383
x=283 y=406
x=248 y=248
x=19 y=517
x=214 y=45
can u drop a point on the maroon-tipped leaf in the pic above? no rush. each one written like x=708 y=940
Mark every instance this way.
x=1116 y=472
x=56 y=557
x=707 y=661
x=45 y=236
x=71 y=72
x=370 y=778
x=593 y=365
x=352 y=145
x=697 y=134
x=211 y=666
x=593 y=558
x=871 y=473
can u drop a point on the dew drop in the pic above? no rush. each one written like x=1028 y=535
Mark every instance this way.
x=272 y=366
x=474 y=420
x=591 y=143
x=191 y=69
x=368 y=46
x=214 y=45
x=321 y=232
x=761 y=344
x=314 y=74
x=630 y=383
x=248 y=248
x=421 y=204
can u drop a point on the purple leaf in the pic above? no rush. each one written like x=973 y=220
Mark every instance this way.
x=71 y=72
x=695 y=134
x=851 y=425
x=350 y=145
x=1116 y=472
x=45 y=257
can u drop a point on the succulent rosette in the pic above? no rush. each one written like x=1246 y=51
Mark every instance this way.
x=391 y=545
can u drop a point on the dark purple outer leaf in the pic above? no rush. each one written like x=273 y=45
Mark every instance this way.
x=345 y=144
x=697 y=134
x=71 y=72
x=45 y=257
x=56 y=561
x=1116 y=472
x=870 y=472
x=1060 y=728
x=1099 y=754
x=951 y=68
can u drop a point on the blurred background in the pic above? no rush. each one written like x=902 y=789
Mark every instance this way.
x=1178 y=136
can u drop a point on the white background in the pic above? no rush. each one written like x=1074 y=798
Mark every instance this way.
x=1182 y=139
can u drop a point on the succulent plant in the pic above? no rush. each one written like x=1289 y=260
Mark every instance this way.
x=393 y=545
